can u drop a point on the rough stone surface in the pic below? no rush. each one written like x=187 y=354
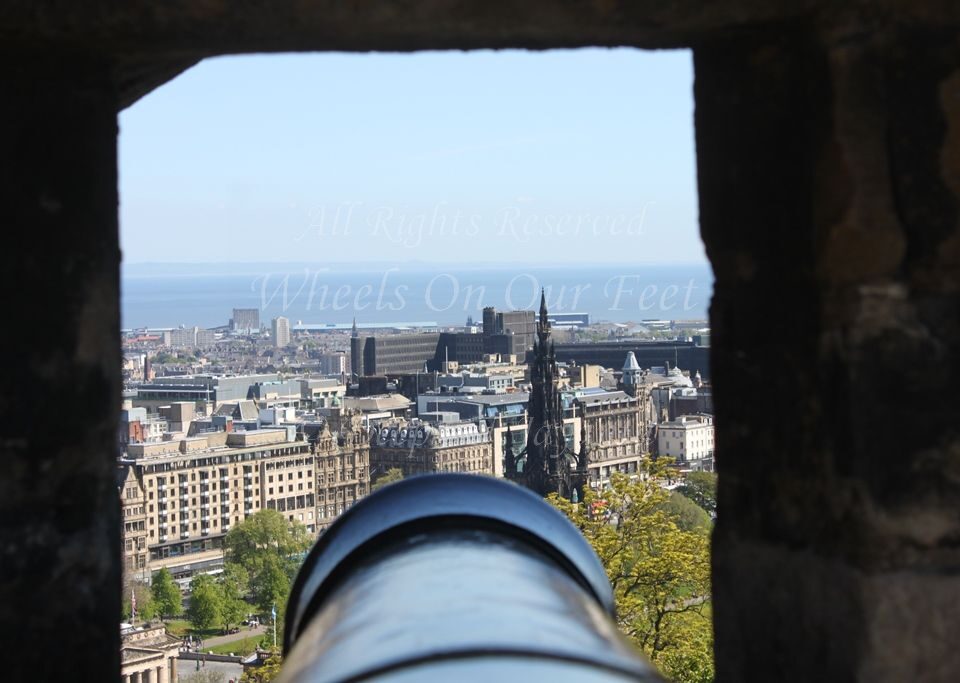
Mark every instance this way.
x=828 y=142
x=59 y=511
x=828 y=197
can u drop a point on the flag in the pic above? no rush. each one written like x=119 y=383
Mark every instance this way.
x=133 y=604
x=273 y=611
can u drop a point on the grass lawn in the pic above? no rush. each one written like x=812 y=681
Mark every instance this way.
x=241 y=647
x=181 y=627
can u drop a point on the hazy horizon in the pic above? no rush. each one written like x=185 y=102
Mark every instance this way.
x=441 y=158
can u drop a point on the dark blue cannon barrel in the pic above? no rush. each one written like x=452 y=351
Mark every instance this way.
x=454 y=578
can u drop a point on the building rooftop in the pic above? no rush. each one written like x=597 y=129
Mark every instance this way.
x=377 y=403
x=697 y=420
x=485 y=399
x=602 y=396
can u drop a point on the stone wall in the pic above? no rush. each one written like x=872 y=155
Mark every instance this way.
x=828 y=168
x=829 y=171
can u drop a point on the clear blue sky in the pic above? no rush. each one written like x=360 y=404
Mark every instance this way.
x=440 y=157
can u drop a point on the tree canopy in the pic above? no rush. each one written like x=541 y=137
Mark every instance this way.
x=269 y=671
x=659 y=570
x=166 y=594
x=688 y=515
x=206 y=602
x=234 y=585
x=270 y=549
x=394 y=474
x=265 y=533
x=701 y=488
x=146 y=607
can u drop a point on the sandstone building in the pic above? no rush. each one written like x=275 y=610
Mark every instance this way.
x=148 y=655
x=180 y=498
x=417 y=447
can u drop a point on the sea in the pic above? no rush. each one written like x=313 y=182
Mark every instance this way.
x=162 y=295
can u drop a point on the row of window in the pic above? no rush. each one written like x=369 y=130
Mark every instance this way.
x=623 y=468
x=132 y=544
x=177 y=549
x=289 y=476
x=280 y=489
x=136 y=562
x=170 y=466
x=299 y=462
x=482 y=465
x=342 y=494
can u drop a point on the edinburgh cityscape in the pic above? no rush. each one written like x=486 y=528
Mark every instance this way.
x=451 y=326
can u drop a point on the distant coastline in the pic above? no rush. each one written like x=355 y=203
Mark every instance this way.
x=204 y=294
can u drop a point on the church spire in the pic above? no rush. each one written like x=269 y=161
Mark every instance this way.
x=543 y=325
x=549 y=465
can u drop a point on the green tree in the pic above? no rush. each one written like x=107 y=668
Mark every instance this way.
x=688 y=515
x=660 y=572
x=166 y=594
x=234 y=585
x=206 y=602
x=146 y=609
x=272 y=586
x=392 y=475
x=270 y=548
x=265 y=534
x=268 y=671
x=701 y=488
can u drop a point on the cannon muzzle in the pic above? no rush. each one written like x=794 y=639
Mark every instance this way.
x=454 y=578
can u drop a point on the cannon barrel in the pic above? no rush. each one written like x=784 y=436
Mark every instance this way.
x=454 y=578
